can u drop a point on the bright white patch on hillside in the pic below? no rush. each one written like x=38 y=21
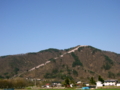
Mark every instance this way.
x=73 y=50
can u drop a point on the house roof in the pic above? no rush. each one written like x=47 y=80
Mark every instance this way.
x=47 y=83
x=110 y=81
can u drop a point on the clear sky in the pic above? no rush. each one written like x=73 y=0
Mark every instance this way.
x=34 y=25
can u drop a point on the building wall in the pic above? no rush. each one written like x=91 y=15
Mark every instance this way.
x=109 y=83
x=99 y=84
x=118 y=84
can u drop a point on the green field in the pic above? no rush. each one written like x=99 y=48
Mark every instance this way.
x=108 y=89
x=79 y=89
x=68 y=89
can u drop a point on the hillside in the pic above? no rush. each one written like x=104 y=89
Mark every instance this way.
x=80 y=63
x=13 y=64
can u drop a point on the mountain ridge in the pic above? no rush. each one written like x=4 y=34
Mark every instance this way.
x=77 y=56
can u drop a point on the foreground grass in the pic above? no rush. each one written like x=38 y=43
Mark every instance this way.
x=80 y=89
x=73 y=89
x=66 y=89
x=108 y=89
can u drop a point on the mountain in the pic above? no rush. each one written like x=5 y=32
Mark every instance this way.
x=78 y=63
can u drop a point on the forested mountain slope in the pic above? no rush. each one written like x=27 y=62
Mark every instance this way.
x=80 y=62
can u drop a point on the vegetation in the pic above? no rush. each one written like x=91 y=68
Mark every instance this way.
x=71 y=64
x=64 y=76
x=75 y=73
x=69 y=49
x=55 y=74
x=1 y=77
x=92 y=81
x=13 y=83
x=32 y=53
x=80 y=48
x=50 y=50
x=111 y=75
x=94 y=50
x=68 y=70
x=118 y=74
x=107 y=59
x=77 y=61
x=16 y=70
x=50 y=75
x=52 y=60
x=54 y=71
x=79 y=89
x=106 y=66
x=100 y=79
x=108 y=63
x=68 y=81
x=4 y=56
x=91 y=72
x=108 y=89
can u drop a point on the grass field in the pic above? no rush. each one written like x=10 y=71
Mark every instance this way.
x=108 y=89
x=64 y=89
x=80 y=89
x=69 y=89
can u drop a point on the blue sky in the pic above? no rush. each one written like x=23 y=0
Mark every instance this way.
x=34 y=25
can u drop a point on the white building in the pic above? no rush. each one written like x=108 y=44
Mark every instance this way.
x=110 y=82
x=99 y=84
x=118 y=84
x=78 y=82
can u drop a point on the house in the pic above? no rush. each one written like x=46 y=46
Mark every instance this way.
x=87 y=84
x=71 y=85
x=110 y=82
x=118 y=84
x=99 y=84
x=47 y=85
x=78 y=82
x=56 y=84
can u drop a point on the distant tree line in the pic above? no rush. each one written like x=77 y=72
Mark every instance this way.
x=14 y=83
x=50 y=50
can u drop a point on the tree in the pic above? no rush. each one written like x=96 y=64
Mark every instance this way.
x=92 y=81
x=67 y=82
x=100 y=79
